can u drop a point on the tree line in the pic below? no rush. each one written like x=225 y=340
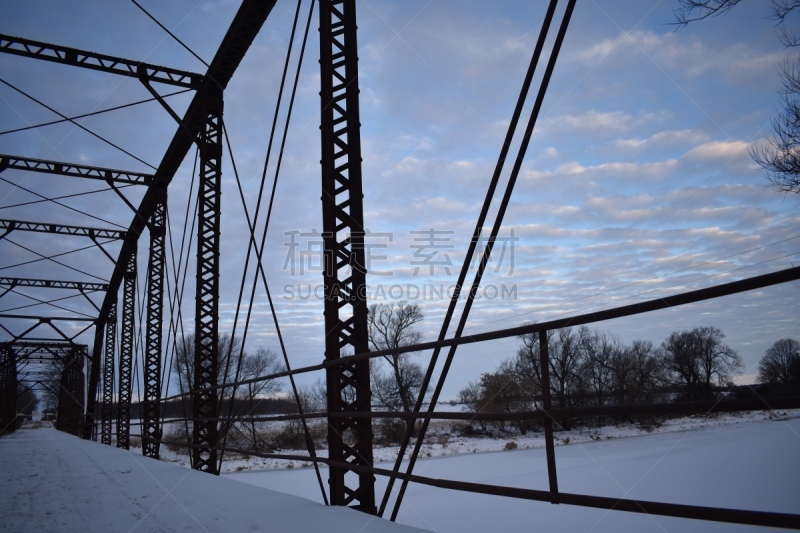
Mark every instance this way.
x=590 y=367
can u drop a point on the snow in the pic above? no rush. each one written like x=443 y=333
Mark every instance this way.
x=443 y=439
x=51 y=481
x=743 y=462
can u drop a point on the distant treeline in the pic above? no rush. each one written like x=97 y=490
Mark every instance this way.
x=593 y=368
x=182 y=408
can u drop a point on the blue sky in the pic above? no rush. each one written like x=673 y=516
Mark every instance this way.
x=638 y=181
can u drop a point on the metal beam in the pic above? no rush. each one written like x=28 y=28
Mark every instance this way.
x=104 y=63
x=345 y=266
x=78 y=171
x=126 y=353
x=71 y=395
x=38 y=351
x=94 y=378
x=60 y=229
x=8 y=389
x=53 y=284
x=151 y=429
x=106 y=409
x=205 y=435
x=244 y=28
x=48 y=319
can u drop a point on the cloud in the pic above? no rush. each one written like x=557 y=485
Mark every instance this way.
x=662 y=139
x=594 y=122
x=676 y=53
x=715 y=150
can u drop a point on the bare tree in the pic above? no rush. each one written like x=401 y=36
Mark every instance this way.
x=781 y=363
x=565 y=362
x=698 y=358
x=235 y=364
x=600 y=352
x=718 y=361
x=472 y=398
x=390 y=327
x=638 y=373
x=780 y=156
x=526 y=364
x=680 y=361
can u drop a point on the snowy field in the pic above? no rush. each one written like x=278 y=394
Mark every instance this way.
x=747 y=461
x=444 y=440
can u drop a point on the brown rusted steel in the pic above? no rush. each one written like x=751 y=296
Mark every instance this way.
x=206 y=349
x=547 y=404
x=348 y=386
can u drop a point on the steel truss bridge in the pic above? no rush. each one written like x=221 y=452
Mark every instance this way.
x=94 y=383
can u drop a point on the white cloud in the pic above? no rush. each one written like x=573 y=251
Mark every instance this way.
x=663 y=138
x=593 y=121
x=715 y=150
x=676 y=53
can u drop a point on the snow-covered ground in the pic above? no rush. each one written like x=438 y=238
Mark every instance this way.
x=746 y=461
x=51 y=481
x=444 y=440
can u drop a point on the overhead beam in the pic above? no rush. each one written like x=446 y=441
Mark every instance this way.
x=241 y=33
x=60 y=229
x=53 y=284
x=44 y=166
x=48 y=319
x=48 y=346
x=104 y=63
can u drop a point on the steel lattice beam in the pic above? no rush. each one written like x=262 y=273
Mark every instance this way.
x=78 y=171
x=71 y=394
x=60 y=229
x=94 y=378
x=126 y=353
x=243 y=29
x=345 y=266
x=151 y=431
x=107 y=407
x=104 y=63
x=27 y=350
x=53 y=284
x=206 y=355
x=8 y=389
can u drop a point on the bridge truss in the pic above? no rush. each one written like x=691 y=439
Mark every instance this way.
x=41 y=352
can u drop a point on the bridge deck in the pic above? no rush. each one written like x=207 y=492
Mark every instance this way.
x=51 y=481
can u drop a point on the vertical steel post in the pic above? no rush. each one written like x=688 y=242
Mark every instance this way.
x=349 y=439
x=106 y=409
x=8 y=389
x=71 y=393
x=151 y=428
x=94 y=379
x=126 y=352
x=205 y=435
x=547 y=404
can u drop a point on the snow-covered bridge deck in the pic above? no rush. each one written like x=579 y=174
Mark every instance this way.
x=51 y=481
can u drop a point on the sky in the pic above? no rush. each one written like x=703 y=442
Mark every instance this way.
x=637 y=183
